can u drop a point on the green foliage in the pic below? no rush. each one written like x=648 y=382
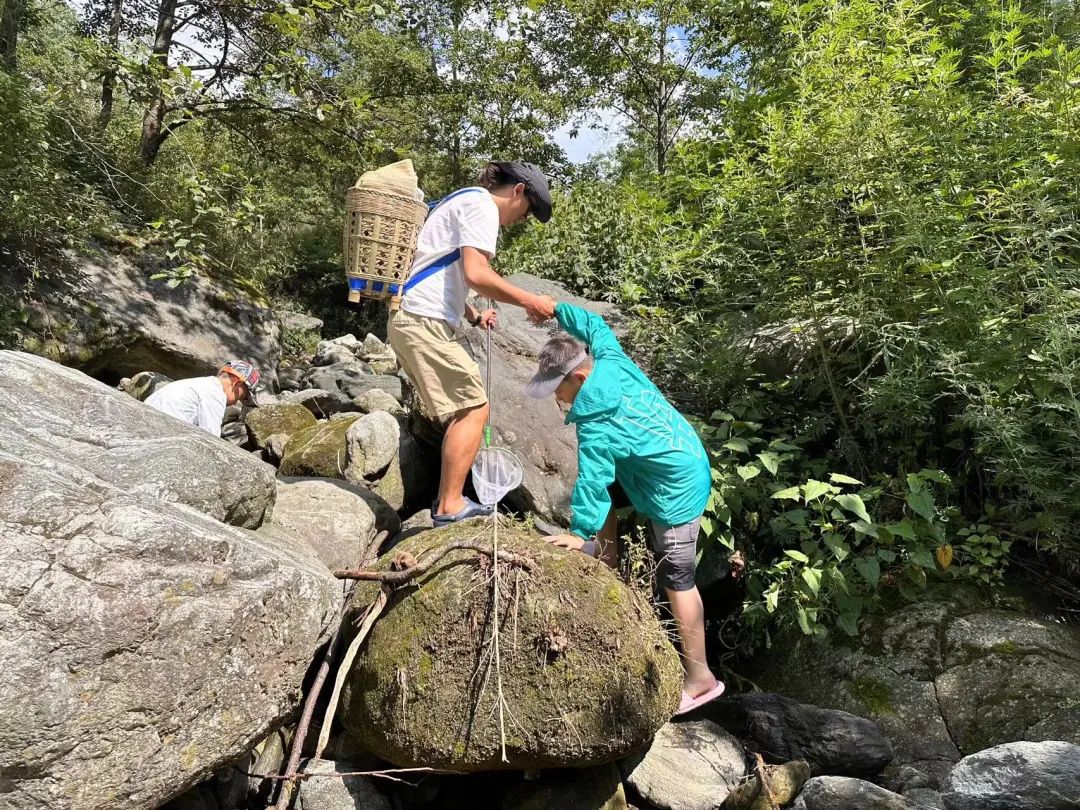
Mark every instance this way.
x=822 y=547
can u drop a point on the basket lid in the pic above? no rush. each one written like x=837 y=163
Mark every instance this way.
x=399 y=177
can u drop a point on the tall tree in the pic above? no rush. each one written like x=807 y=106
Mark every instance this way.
x=9 y=34
x=646 y=59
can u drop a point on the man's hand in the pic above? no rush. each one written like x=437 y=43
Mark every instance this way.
x=540 y=308
x=569 y=541
x=488 y=318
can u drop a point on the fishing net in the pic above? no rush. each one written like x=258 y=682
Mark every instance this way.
x=495 y=472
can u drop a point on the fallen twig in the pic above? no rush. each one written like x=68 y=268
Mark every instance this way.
x=296 y=748
x=395 y=578
x=766 y=784
x=372 y=614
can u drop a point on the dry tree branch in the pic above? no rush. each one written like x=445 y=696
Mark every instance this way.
x=396 y=578
x=291 y=775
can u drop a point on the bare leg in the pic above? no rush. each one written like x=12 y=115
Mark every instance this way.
x=460 y=445
x=607 y=540
x=689 y=615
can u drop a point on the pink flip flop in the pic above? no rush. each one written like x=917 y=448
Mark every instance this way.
x=688 y=704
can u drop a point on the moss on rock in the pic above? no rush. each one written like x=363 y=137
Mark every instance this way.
x=586 y=678
x=319 y=451
x=285 y=418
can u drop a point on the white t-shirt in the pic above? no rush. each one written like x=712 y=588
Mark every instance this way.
x=471 y=219
x=199 y=401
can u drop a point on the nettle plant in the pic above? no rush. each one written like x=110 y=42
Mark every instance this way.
x=823 y=546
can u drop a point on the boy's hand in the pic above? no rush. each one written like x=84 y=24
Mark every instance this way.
x=737 y=561
x=569 y=541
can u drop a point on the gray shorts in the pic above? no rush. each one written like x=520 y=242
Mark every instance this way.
x=675 y=548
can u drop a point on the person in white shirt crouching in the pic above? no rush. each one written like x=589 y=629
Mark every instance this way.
x=201 y=401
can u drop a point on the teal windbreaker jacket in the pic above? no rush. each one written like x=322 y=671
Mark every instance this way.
x=628 y=432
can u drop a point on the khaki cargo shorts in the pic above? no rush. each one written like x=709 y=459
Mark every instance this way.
x=438 y=360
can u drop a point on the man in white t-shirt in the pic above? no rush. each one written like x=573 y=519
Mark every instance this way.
x=453 y=255
x=202 y=401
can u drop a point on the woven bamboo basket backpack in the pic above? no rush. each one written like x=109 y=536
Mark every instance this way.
x=384 y=212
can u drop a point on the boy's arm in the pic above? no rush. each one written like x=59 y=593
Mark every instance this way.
x=591 y=501
x=589 y=327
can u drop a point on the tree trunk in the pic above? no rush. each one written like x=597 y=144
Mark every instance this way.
x=108 y=81
x=9 y=34
x=153 y=130
x=661 y=102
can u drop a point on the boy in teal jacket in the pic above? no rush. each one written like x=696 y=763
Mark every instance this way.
x=628 y=432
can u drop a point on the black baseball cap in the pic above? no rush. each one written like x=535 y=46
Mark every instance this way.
x=536 y=186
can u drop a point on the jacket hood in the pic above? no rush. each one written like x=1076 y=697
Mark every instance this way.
x=600 y=395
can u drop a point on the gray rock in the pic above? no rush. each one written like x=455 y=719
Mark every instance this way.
x=50 y=414
x=373 y=348
x=845 y=793
x=329 y=353
x=390 y=383
x=534 y=429
x=373 y=443
x=333 y=793
x=1016 y=776
x=409 y=481
x=323 y=404
x=299 y=322
x=106 y=316
x=942 y=677
x=351 y=378
x=143 y=384
x=410 y=527
x=235 y=434
x=336 y=519
x=144 y=644
x=782 y=729
x=281 y=419
x=289 y=378
x=925 y=799
x=378 y=400
x=348 y=341
x=689 y=766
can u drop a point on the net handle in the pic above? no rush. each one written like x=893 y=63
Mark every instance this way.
x=487 y=381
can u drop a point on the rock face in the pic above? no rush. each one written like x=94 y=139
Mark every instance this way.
x=346 y=793
x=283 y=419
x=587 y=673
x=143 y=644
x=944 y=677
x=1016 y=776
x=107 y=317
x=49 y=412
x=845 y=793
x=781 y=729
x=337 y=519
x=690 y=765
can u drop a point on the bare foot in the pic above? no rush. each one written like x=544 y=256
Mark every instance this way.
x=699 y=687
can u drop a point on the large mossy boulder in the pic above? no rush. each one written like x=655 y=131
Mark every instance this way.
x=320 y=451
x=280 y=419
x=588 y=675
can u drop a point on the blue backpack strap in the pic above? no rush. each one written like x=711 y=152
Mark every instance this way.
x=442 y=262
